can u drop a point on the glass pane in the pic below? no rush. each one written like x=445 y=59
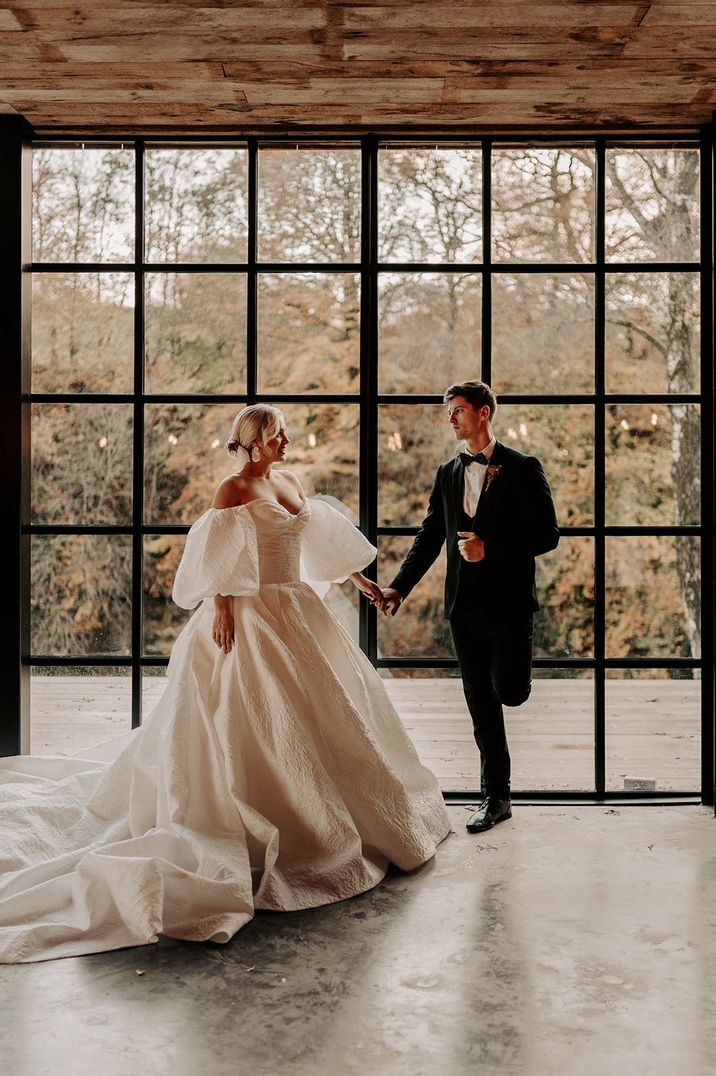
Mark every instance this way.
x=430 y=327
x=653 y=731
x=82 y=332
x=83 y=205
x=324 y=450
x=176 y=488
x=73 y=709
x=163 y=620
x=653 y=465
x=562 y=438
x=543 y=205
x=418 y=629
x=653 y=339
x=309 y=332
x=196 y=205
x=564 y=627
x=81 y=463
x=653 y=597
x=543 y=333
x=652 y=205
x=309 y=204
x=413 y=440
x=429 y=204
x=431 y=707
x=81 y=594
x=551 y=736
x=195 y=338
x=154 y=682
x=323 y=453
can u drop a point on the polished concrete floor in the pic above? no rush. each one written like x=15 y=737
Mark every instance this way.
x=570 y=940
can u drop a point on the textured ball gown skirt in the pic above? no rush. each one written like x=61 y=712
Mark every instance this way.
x=277 y=776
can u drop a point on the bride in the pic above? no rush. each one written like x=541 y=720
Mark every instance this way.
x=273 y=773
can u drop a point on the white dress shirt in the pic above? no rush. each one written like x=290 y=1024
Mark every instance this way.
x=475 y=480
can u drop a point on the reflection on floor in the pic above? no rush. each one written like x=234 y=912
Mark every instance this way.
x=565 y=941
x=653 y=739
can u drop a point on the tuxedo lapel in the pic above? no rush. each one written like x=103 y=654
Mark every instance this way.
x=457 y=486
x=484 y=502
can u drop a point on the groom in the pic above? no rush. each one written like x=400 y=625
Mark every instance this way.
x=494 y=508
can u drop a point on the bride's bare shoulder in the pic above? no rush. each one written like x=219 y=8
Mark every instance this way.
x=294 y=480
x=230 y=492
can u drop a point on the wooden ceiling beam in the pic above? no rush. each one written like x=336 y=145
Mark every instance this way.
x=415 y=89
x=507 y=16
x=328 y=113
x=304 y=63
x=426 y=92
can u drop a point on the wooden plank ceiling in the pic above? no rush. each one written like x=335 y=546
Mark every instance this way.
x=258 y=65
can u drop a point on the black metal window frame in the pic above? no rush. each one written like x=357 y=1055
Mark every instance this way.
x=370 y=400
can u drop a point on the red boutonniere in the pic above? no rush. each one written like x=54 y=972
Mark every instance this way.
x=493 y=470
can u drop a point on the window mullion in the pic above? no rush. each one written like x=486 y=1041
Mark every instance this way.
x=137 y=617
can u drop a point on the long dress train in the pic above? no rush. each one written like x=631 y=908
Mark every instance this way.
x=277 y=776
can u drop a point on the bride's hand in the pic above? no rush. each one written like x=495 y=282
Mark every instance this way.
x=222 y=630
x=366 y=586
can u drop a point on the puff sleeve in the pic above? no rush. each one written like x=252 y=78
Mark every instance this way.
x=220 y=557
x=332 y=546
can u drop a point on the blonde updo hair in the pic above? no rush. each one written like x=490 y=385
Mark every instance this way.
x=259 y=421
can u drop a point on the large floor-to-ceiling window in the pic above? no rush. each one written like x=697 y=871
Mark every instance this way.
x=350 y=282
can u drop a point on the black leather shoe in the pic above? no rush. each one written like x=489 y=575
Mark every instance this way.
x=489 y=814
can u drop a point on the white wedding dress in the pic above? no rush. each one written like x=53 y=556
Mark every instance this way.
x=277 y=776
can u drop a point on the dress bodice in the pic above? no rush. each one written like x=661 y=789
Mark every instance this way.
x=237 y=551
x=278 y=540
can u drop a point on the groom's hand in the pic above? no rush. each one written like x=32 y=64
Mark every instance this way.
x=392 y=600
x=471 y=546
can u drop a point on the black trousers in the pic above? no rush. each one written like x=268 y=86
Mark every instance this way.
x=495 y=657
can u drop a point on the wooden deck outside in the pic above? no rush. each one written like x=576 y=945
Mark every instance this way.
x=653 y=728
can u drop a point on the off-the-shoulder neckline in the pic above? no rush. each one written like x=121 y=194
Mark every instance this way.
x=266 y=500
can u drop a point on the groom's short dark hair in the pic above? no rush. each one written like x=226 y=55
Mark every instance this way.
x=478 y=393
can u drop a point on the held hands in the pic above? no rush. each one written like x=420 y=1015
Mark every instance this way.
x=471 y=546
x=392 y=601
x=388 y=600
x=366 y=586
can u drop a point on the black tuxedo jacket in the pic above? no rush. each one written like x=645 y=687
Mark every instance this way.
x=516 y=520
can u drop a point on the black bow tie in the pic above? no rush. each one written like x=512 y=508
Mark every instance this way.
x=467 y=459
